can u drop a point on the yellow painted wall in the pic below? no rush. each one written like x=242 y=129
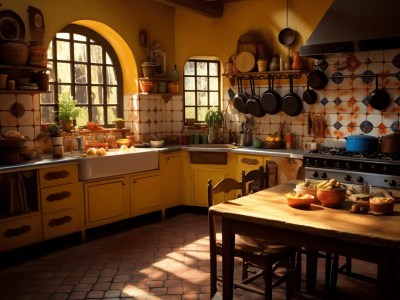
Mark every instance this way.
x=119 y=21
x=200 y=35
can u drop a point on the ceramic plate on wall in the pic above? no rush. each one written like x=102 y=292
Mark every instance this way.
x=11 y=26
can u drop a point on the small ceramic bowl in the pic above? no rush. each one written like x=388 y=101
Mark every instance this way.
x=381 y=205
x=298 y=200
x=157 y=144
x=331 y=198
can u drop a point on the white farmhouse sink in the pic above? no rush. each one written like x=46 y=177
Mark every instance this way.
x=118 y=162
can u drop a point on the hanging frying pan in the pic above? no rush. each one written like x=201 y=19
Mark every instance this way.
x=317 y=80
x=379 y=99
x=253 y=105
x=309 y=96
x=287 y=36
x=240 y=99
x=271 y=101
x=291 y=103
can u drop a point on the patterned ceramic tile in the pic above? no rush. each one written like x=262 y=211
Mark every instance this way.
x=376 y=56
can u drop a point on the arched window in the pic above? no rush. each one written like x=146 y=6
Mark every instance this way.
x=84 y=65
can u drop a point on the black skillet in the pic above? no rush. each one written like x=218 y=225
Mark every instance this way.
x=379 y=99
x=291 y=103
x=309 y=96
x=253 y=105
x=317 y=80
x=271 y=101
x=240 y=99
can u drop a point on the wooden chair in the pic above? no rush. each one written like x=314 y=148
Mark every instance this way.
x=250 y=250
x=256 y=180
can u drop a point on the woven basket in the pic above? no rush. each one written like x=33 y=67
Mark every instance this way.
x=14 y=53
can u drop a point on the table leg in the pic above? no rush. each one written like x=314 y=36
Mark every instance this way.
x=228 y=243
x=311 y=270
x=387 y=278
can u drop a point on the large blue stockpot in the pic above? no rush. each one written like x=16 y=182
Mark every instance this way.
x=361 y=143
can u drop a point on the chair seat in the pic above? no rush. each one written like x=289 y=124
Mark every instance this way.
x=255 y=246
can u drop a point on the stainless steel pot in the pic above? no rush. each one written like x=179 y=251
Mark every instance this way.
x=391 y=143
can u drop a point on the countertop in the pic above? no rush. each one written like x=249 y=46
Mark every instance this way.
x=48 y=160
x=45 y=161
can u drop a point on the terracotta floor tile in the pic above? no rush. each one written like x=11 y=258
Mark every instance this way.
x=161 y=260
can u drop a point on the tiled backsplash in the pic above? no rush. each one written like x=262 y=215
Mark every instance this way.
x=343 y=104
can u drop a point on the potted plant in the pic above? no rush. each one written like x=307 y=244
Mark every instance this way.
x=119 y=123
x=56 y=139
x=67 y=111
x=214 y=119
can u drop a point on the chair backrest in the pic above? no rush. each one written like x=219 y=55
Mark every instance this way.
x=257 y=180
x=225 y=185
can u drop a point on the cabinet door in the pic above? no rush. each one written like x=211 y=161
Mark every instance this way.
x=60 y=197
x=248 y=163
x=145 y=194
x=58 y=175
x=106 y=201
x=171 y=167
x=200 y=176
x=61 y=223
x=20 y=231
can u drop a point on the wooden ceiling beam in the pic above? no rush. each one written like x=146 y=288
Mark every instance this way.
x=213 y=9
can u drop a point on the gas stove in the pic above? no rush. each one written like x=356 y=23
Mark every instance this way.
x=376 y=169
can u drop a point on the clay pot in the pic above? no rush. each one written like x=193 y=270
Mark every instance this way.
x=391 y=143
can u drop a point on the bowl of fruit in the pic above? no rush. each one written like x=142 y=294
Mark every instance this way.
x=331 y=193
x=299 y=200
x=273 y=142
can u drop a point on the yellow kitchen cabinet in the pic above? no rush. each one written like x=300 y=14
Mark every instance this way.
x=145 y=193
x=200 y=176
x=20 y=231
x=58 y=175
x=106 y=201
x=61 y=200
x=171 y=168
x=62 y=210
x=247 y=163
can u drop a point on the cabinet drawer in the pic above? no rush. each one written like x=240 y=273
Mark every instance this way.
x=58 y=175
x=19 y=232
x=59 y=197
x=61 y=223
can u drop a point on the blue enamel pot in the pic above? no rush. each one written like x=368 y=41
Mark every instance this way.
x=361 y=143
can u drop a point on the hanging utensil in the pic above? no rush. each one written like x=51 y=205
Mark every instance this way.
x=271 y=101
x=287 y=36
x=291 y=103
x=239 y=102
x=379 y=99
x=253 y=105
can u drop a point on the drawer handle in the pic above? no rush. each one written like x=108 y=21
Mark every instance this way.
x=59 y=221
x=250 y=161
x=13 y=232
x=58 y=196
x=56 y=175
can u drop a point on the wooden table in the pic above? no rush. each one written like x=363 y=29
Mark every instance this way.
x=265 y=214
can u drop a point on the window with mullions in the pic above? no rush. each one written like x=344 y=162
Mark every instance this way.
x=83 y=64
x=201 y=82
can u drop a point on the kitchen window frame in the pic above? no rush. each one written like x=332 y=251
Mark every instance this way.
x=195 y=90
x=93 y=38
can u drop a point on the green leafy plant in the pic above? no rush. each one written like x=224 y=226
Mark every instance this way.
x=54 y=130
x=67 y=109
x=214 y=118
